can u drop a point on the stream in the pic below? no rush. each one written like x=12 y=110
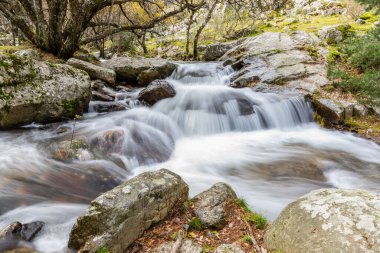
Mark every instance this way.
x=264 y=145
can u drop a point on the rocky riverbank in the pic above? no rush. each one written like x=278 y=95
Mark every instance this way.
x=152 y=213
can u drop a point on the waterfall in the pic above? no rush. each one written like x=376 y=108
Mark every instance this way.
x=264 y=145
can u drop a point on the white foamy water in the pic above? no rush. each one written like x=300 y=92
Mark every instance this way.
x=265 y=146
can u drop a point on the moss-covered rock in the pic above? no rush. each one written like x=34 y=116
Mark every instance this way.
x=37 y=91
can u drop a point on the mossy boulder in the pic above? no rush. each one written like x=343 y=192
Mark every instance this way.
x=37 y=91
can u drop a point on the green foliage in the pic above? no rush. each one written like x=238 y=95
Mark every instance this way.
x=247 y=239
x=207 y=249
x=174 y=236
x=243 y=204
x=196 y=223
x=358 y=67
x=103 y=250
x=259 y=220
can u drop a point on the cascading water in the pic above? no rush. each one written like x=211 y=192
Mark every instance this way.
x=265 y=146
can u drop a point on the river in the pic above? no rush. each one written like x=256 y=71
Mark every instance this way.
x=265 y=146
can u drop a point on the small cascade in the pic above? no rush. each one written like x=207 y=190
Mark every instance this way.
x=266 y=146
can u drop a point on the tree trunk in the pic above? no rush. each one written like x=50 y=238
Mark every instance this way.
x=191 y=21
x=201 y=28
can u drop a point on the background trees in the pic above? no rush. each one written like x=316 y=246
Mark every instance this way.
x=61 y=26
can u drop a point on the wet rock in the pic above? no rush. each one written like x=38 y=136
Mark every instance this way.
x=98 y=96
x=36 y=91
x=94 y=71
x=328 y=220
x=17 y=231
x=228 y=248
x=156 y=91
x=21 y=250
x=210 y=206
x=187 y=246
x=139 y=70
x=118 y=217
x=102 y=107
x=65 y=151
x=334 y=34
x=110 y=141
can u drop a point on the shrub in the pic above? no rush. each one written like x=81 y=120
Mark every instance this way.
x=196 y=223
x=357 y=67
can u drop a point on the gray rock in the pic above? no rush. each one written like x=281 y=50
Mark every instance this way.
x=329 y=110
x=328 y=220
x=187 y=246
x=277 y=58
x=77 y=149
x=210 y=206
x=36 y=91
x=17 y=231
x=334 y=112
x=215 y=51
x=139 y=70
x=156 y=91
x=360 y=21
x=118 y=217
x=228 y=248
x=110 y=141
x=333 y=34
x=94 y=71
x=360 y=110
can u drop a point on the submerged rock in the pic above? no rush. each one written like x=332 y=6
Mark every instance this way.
x=36 y=91
x=139 y=70
x=328 y=220
x=156 y=91
x=211 y=206
x=94 y=71
x=110 y=141
x=118 y=217
x=21 y=232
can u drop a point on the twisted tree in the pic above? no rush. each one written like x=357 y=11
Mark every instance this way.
x=59 y=26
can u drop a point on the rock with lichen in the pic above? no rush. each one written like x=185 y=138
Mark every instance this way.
x=118 y=217
x=211 y=206
x=37 y=91
x=328 y=220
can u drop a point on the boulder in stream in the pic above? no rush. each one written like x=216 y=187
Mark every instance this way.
x=139 y=70
x=94 y=71
x=21 y=232
x=156 y=91
x=118 y=217
x=328 y=220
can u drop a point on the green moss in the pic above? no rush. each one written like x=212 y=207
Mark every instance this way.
x=103 y=250
x=243 y=204
x=71 y=107
x=257 y=219
x=367 y=16
x=196 y=223
x=207 y=249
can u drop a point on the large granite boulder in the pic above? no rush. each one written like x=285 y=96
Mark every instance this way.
x=36 y=91
x=95 y=71
x=278 y=59
x=156 y=91
x=211 y=205
x=139 y=70
x=118 y=217
x=328 y=220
